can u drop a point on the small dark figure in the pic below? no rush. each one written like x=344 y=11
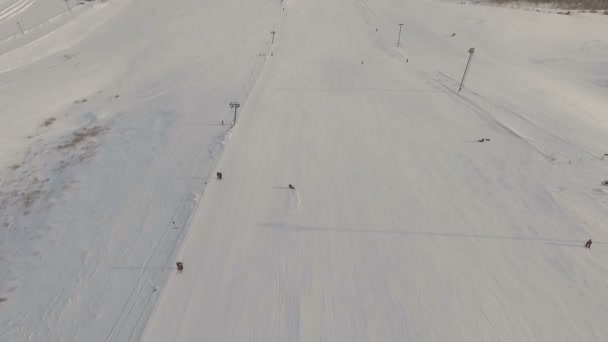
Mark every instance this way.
x=407 y=60
x=481 y=140
x=361 y=62
x=453 y=34
x=180 y=266
x=222 y=122
x=219 y=175
x=292 y=187
x=588 y=244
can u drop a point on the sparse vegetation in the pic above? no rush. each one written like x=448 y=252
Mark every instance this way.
x=592 y=5
x=80 y=136
x=48 y=122
x=30 y=197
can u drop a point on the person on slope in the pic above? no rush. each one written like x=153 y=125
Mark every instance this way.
x=588 y=244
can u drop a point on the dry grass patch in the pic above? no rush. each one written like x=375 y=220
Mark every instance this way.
x=48 y=122
x=81 y=136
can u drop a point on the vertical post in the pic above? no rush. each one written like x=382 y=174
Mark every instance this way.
x=21 y=28
x=273 y=32
x=234 y=105
x=68 y=4
x=399 y=39
x=471 y=52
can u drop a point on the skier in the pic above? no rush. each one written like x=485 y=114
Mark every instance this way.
x=219 y=175
x=180 y=266
x=588 y=244
x=292 y=187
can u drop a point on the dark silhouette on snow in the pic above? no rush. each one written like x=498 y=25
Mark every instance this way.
x=180 y=266
x=292 y=187
x=219 y=175
x=588 y=244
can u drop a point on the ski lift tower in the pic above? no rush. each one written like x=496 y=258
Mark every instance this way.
x=234 y=105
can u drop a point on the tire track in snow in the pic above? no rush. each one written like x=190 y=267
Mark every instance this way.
x=16 y=8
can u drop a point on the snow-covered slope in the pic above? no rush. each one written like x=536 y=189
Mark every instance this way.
x=105 y=147
x=402 y=226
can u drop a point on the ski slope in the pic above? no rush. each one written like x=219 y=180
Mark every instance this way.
x=29 y=23
x=402 y=226
x=108 y=134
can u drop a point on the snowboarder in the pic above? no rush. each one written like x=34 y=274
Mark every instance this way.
x=588 y=244
x=219 y=175
x=180 y=266
x=292 y=187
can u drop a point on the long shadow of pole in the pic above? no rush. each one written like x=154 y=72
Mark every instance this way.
x=297 y=228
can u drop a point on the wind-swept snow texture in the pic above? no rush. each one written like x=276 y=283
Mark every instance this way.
x=402 y=227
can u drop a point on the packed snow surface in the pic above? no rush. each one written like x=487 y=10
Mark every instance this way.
x=418 y=212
